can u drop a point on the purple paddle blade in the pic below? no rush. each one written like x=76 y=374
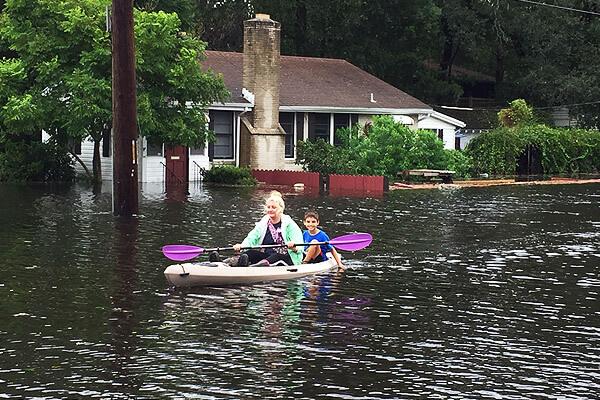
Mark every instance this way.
x=181 y=252
x=352 y=242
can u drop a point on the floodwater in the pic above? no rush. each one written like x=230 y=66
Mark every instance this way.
x=479 y=293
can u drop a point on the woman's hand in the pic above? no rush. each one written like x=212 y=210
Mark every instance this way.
x=291 y=245
x=237 y=247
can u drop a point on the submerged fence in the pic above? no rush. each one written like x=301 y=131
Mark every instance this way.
x=333 y=183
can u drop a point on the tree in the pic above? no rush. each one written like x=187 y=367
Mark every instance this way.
x=173 y=89
x=60 y=78
x=390 y=39
x=518 y=113
x=185 y=10
x=221 y=24
x=545 y=55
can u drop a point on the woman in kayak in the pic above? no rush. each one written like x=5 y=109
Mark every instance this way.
x=274 y=228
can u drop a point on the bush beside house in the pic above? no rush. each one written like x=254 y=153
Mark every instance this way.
x=35 y=161
x=229 y=175
x=558 y=150
x=562 y=151
x=383 y=148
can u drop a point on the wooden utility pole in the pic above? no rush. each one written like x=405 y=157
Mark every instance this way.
x=125 y=166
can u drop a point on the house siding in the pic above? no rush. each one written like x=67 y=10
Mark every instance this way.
x=87 y=156
x=448 y=130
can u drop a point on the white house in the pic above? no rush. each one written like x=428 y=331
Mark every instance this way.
x=444 y=125
x=277 y=101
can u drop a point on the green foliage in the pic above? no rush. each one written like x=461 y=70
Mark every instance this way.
x=59 y=78
x=460 y=163
x=229 y=175
x=496 y=151
x=183 y=8
x=221 y=24
x=384 y=148
x=321 y=157
x=388 y=39
x=36 y=161
x=563 y=150
x=519 y=113
x=167 y=67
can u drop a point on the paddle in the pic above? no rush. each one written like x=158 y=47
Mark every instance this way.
x=353 y=242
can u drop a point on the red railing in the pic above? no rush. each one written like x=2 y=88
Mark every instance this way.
x=283 y=177
x=334 y=184
x=363 y=183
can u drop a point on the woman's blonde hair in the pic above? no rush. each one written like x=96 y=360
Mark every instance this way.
x=277 y=198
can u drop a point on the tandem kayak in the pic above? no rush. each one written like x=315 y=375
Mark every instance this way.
x=219 y=274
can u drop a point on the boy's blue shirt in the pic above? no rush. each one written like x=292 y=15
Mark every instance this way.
x=319 y=237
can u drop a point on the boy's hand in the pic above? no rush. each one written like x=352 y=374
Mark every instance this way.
x=237 y=247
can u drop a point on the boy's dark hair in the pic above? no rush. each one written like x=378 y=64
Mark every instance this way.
x=311 y=213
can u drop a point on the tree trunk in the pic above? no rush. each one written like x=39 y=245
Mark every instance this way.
x=447 y=56
x=96 y=163
x=300 y=28
x=80 y=161
x=500 y=52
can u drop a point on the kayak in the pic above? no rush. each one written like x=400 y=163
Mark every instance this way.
x=219 y=274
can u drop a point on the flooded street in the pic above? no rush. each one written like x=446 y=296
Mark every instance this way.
x=477 y=293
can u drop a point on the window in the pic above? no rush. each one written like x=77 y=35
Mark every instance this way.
x=438 y=132
x=197 y=151
x=154 y=149
x=339 y=121
x=299 y=127
x=286 y=120
x=318 y=127
x=221 y=122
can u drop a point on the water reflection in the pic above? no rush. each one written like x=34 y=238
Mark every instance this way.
x=479 y=293
x=177 y=191
x=124 y=301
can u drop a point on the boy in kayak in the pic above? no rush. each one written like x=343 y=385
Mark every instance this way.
x=317 y=253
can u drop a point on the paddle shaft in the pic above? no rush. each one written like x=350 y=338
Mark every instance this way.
x=351 y=242
x=262 y=246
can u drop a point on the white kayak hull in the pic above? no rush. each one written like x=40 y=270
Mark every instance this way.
x=219 y=274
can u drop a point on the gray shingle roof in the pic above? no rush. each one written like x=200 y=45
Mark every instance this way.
x=307 y=82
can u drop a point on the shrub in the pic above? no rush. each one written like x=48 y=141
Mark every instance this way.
x=496 y=151
x=383 y=148
x=35 y=161
x=460 y=163
x=563 y=150
x=229 y=175
x=518 y=113
x=321 y=157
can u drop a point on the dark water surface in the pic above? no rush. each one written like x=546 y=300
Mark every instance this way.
x=482 y=293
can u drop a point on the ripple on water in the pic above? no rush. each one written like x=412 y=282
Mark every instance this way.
x=484 y=293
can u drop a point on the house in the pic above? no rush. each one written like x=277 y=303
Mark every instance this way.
x=478 y=108
x=277 y=101
x=476 y=121
x=478 y=88
x=446 y=128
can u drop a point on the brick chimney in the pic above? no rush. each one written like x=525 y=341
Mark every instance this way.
x=262 y=138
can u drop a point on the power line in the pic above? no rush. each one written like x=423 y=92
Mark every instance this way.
x=568 y=105
x=501 y=107
x=560 y=7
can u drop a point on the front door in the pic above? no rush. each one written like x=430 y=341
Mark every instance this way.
x=177 y=164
